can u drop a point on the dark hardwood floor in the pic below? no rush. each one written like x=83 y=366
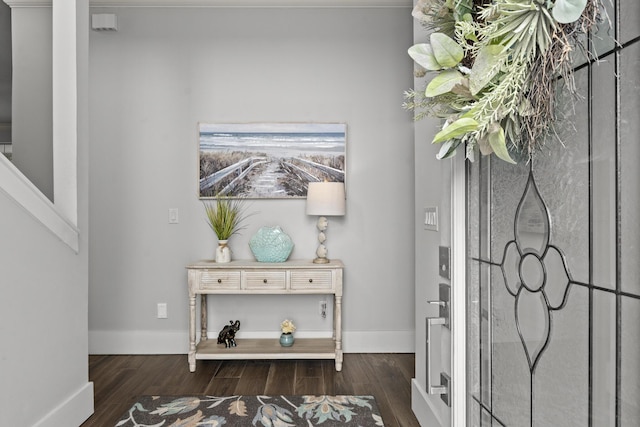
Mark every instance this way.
x=120 y=380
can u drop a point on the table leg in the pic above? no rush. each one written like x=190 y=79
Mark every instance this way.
x=203 y=317
x=192 y=333
x=337 y=326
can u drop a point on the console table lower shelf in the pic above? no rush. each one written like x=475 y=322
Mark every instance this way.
x=303 y=348
x=295 y=277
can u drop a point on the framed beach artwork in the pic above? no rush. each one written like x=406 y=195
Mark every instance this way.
x=269 y=160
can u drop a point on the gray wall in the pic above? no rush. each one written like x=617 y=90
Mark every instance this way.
x=5 y=68
x=32 y=121
x=43 y=318
x=164 y=71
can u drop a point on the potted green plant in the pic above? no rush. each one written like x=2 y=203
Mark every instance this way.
x=226 y=216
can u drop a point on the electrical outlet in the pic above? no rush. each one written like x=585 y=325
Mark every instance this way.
x=323 y=309
x=162 y=310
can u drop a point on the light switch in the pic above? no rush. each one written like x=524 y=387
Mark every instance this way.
x=431 y=218
x=173 y=216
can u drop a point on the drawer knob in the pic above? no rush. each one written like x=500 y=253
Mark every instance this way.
x=310 y=280
x=264 y=280
x=219 y=280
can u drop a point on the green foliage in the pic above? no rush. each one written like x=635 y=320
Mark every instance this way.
x=423 y=55
x=523 y=26
x=498 y=144
x=448 y=149
x=442 y=53
x=226 y=216
x=566 y=11
x=486 y=66
x=445 y=50
x=496 y=70
x=435 y=15
x=462 y=8
x=443 y=83
x=456 y=130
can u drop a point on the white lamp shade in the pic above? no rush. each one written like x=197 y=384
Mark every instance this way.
x=326 y=198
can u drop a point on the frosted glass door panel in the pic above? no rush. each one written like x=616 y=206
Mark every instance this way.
x=603 y=174
x=630 y=237
x=630 y=21
x=604 y=352
x=562 y=376
x=630 y=385
x=630 y=168
x=603 y=40
x=505 y=192
x=554 y=250
x=510 y=386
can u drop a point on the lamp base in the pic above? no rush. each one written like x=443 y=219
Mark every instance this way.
x=320 y=260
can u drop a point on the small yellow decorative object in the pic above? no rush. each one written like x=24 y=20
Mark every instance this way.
x=287 y=327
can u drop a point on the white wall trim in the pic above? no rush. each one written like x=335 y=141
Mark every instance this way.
x=459 y=292
x=71 y=412
x=421 y=406
x=226 y=3
x=28 y=3
x=177 y=342
x=18 y=187
x=60 y=216
x=65 y=109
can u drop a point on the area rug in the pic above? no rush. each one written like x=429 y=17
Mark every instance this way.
x=258 y=411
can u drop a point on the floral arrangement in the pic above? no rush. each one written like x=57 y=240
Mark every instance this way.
x=497 y=65
x=287 y=327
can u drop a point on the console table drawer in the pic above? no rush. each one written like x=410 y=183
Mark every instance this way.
x=311 y=279
x=265 y=280
x=220 y=279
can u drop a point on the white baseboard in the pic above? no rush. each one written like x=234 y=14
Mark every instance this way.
x=138 y=342
x=73 y=411
x=421 y=407
x=379 y=341
x=177 y=342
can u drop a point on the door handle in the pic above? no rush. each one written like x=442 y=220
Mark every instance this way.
x=443 y=388
x=444 y=292
x=439 y=389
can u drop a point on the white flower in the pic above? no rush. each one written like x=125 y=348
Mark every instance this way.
x=287 y=326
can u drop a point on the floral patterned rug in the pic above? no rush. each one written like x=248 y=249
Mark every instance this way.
x=258 y=411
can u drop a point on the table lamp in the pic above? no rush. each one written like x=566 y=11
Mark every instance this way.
x=325 y=199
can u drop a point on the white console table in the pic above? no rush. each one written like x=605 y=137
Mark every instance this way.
x=254 y=278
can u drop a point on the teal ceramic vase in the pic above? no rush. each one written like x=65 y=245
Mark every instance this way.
x=271 y=244
x=286 y=340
